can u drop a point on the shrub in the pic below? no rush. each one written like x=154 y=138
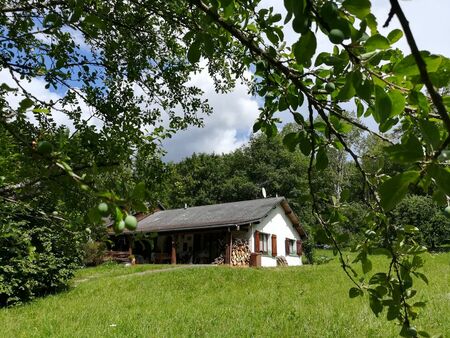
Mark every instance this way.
x=308 y=250
x=37 y=254
x=93 y=253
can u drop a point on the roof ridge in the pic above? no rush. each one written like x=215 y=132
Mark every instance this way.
x=216 y=204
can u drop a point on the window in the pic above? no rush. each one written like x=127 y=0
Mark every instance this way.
x=292 y=247
x=264 y=243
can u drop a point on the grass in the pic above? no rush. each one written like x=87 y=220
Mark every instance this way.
x=308 y=301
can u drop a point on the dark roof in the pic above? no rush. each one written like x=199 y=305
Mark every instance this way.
x=215 y=216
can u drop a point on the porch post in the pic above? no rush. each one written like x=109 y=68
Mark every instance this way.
x=174 y=250
x=228 y=247
x=130 y=243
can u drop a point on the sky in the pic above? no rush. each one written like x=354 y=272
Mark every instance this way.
x=230 y=125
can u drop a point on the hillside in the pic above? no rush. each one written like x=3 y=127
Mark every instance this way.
x=150 y=301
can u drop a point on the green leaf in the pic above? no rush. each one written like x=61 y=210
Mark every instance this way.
x=139 y=191
x=410 y=229
x=354 y=292
x=395 y=188
x=348 y=91
x=194 y=51
x=305 y=48
x=393 y=312
x=366 y=265
x=422 y=277
x=371 y=21
x=364 y=89
x=430 y=132
x=25 y=104
x=375 y=305
x=378 y=278
x=44 y=111
x=408 y=67
x=442 y=177
x=94 y=215
x=300 y=24
x=398 y=102
x=383 y=105
x=408 y=152
x=257 y=126
x=272 y=36
x=321 y=159
x=305 y=144
x=291 y=141
x=395 y=35
x=359 y=8
x=377 y=41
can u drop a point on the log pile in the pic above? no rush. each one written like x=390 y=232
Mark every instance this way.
x=281 y=261
x=240 y=253
x=219 y=260
x=117 y=256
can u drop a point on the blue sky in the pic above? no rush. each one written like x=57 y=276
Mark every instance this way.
x=231 y=123
x=229 y=127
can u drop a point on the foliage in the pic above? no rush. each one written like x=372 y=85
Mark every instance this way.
x=38 y=255
x=93 y=253
x=424 y=214
x=308 y=301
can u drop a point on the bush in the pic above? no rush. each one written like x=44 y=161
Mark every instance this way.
x=37 y=255
x=308 y=250
x=93 y=253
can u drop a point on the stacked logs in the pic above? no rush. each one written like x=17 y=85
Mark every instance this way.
x=240 y=253
x=219 y=260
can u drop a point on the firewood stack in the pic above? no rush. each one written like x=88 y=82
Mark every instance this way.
x=219 y=260
x=281 y=261
x=240 y=253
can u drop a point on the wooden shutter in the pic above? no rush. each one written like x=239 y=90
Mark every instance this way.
x=299 y=248
x=274 y=245
x=256 y=237
x=286 y=243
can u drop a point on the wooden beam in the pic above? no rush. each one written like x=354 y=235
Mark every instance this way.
x=130 y=244
x=173 y=259
x=228 y=247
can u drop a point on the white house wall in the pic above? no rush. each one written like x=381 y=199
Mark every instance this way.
x=276 y=223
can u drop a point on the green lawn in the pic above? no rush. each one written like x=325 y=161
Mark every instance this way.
x=308 y=301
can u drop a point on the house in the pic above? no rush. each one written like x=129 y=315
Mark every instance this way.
x=198 y=235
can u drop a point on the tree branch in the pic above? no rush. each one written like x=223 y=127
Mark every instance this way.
x=435 y=97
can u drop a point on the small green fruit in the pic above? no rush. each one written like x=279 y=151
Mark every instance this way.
x=330 y=87
x=103 y=209
x=131 y=222
x=447 y=211
x=336 y=36
x=119 y=227
x=44 y=148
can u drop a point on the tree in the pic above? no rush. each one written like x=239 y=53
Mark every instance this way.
x=156 y=45
x=433 y=228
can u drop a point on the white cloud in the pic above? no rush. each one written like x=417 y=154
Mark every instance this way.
x=36 y=87
x=225 y=130
x=234 y=113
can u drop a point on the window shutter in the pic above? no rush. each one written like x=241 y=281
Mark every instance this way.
x=274 y=245
x=286 y=243
x=256 y=237
x=299 y=248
